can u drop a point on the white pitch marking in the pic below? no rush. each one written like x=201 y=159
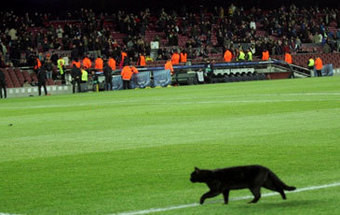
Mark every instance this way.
x=8 y=214
x=155 y=210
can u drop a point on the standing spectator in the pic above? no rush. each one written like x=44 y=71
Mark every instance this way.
x=95 y=82
x=123 y=56
x=99 y=64
x=108 y=77
x=74 y=52
x=48 y=66
x=311 y=64
x=87 y=64
x=265 y=55
x=112 y=63
x=76 y=62
x=141 y=60
x=228 y=56
x=175 y=58
x=84 y=75
x=338 y=40
x=242 y=55
x=75 y=73
x=66 y=60
x=37 y=65
x=288 y=58
x=249 y=55
x=42 y=79
x=208 y=71
x=60 y=65
x=126 y=74
x=2 y=84
x=318 y=66
x=184 y=56
x=54 y=58
x=168 y=66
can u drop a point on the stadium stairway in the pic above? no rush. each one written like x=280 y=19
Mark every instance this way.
x=302 y=59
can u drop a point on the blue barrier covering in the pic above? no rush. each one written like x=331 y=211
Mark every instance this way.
x=327 y=70
x=117 y=82
x=141 y=80
x=161 y=78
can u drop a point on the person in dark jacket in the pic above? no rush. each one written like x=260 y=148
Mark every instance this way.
x=2 y=84
x=108 y=77
x=76 y=74
x=42 y=79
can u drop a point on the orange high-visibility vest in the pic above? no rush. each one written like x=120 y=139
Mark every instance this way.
x=38 y=65
x=123 y=56
x=77 y=63
x=184 y=57
x=87 y=63
x=168 y=66
x=127 y=72
x=265 y=55
x=175 y=58
x=98 y=64
x=142 y=61
x=112 y=63
x=318 y=64
x=288 y=58
x=228 y=56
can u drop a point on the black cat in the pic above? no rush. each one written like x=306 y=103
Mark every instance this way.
x=252 y=177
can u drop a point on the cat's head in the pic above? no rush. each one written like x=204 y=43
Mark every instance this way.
x=199 y=175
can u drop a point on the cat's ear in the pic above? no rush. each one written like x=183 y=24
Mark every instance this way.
x=196 y=169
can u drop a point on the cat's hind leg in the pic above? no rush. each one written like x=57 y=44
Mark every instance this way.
x=210 y=194
x=269 y=184
x=256 y=191
x=226 y=196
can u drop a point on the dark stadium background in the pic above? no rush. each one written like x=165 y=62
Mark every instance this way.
x=136 y=5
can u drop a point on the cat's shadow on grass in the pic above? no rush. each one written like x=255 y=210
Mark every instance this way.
x=292 y=203
x=268 y=205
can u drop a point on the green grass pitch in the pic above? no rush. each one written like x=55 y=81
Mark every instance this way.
x=113 y=152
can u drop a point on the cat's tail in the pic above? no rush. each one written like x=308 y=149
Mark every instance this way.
x=280 y=183
x=289 y=188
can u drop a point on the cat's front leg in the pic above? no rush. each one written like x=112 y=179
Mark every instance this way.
x=209 y=194
x=226 y=196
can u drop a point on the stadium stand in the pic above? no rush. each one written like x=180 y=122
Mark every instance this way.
x=303 y=32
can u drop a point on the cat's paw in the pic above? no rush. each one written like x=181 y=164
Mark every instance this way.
x=201 y=201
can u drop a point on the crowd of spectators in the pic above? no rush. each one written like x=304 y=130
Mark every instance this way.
x=25 y=36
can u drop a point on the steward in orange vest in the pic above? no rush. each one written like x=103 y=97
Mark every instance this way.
x=126 y=74
x=288 y=58
x=112 y=63
x=318 y=66
x=265 y=55
x=87 y=63
x=76 y=62
x=183 y=56
x=168 y=66
x=37 y=65
x=175 y=58
x=122 y=59
x=99 y=64
x=228 y=56
x=141 y=60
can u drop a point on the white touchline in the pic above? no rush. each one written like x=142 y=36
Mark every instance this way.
x=7 y=214
x=154 y=210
